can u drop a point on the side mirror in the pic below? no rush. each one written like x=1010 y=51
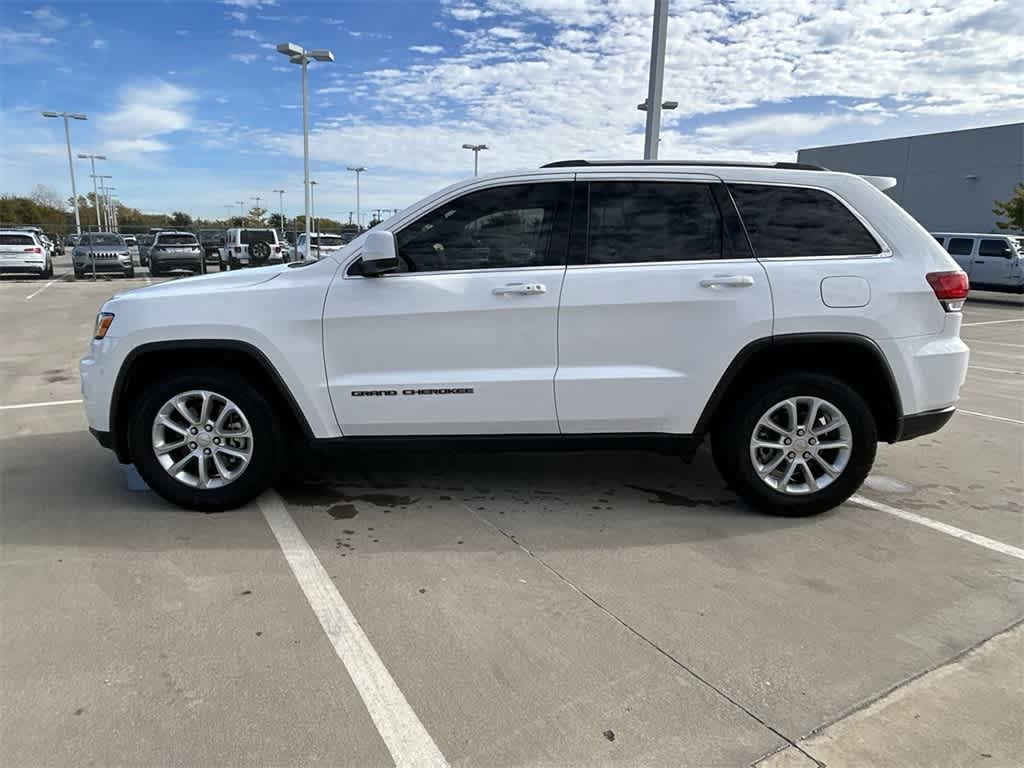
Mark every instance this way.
x=380 y=255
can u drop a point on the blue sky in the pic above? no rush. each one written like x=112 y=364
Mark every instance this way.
x=195 y=109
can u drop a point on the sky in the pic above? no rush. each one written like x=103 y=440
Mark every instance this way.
x=196 y=110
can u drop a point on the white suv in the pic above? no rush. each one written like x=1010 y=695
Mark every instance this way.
x=797 y=316
x=244 y=247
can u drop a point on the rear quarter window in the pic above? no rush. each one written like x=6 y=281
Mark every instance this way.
x=798 y=222
x=16 y=240
x=960 y=246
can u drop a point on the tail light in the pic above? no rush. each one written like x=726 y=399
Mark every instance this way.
x=37 y=249
x=950 y=288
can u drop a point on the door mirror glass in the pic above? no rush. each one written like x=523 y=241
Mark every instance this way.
x=379 y=254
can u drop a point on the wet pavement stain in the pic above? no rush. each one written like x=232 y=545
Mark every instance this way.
x=610 y=735
x=676 y=499
x=343 y=511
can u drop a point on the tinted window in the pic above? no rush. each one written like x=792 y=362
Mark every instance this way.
x=995 y=248
x=113 y=240
x=940 y=238
x=176 y=240
x=960 y=246
x=497 y=228
x=798 y=222
x=16 y=240
x=643 y=221
x=250 y=236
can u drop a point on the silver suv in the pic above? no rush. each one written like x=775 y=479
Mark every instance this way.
x=174 y=251
x=102 y=252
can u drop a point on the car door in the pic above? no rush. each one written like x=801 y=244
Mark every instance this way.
x=660 y=295
x=463 y=339
x=993 y=262
x=962 y=251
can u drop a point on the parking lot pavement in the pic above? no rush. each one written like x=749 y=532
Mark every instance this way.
x=514 y=609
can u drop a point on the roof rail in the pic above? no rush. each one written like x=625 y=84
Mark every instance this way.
x=728 y=163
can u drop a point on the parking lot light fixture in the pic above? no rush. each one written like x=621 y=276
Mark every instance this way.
x=298 y=55
x=95 y=194
x=71 y=166
x=100 y=209
x=476 y=149
x=241 y=210
x=357 y=170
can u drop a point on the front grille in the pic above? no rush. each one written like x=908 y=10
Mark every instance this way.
x=106 y=256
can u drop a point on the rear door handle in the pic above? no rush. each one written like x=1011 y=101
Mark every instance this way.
x=728 y=281
x=520 y=289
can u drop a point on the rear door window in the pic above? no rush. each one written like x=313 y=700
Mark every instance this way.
x=798 y=222
x=993 y=247
x=960 y=246
x=649 y=221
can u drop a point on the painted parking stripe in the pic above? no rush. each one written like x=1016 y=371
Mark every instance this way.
x=950 y=530
x=403 y=733
x=995 y=322
x=989 y=416
x=37 y=405
x=994 y=370
x=994 y=343
x=37 y=292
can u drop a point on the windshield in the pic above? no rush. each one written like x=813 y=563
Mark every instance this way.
x=176 y=239
x=115 y=240
x=250 y=236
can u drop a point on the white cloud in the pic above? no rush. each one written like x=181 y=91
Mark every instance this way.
x=146 y=111
x=244 y=58
x=47 y=17
x=253 y=4
x=249 y=34
x=98 y=44
x=239 y=16
x=10 y=37
x=183 y=32
x=428 y=49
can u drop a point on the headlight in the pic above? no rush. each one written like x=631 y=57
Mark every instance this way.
x=103 y=322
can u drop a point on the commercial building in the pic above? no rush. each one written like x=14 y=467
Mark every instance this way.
x=947 y=181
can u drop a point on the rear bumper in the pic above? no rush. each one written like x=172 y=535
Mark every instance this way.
x=918 y=424
x=22 y=269
x=162 y=262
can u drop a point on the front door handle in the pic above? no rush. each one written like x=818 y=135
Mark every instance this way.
x=520 y=289
x=728 y=281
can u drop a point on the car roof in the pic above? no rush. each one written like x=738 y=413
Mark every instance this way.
x=28 y=232
x=687 y=163
x=173 y=232
x=979 y=234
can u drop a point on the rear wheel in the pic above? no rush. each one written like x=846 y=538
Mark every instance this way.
x=206 y=440
x=797 y=445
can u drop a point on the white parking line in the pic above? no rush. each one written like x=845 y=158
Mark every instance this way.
x=994 y=370
x=950 y=530
x=995 y=322
x=994 y=343
x=37 y=292
x=37 y=405
x=989 y=416
x=403 y=733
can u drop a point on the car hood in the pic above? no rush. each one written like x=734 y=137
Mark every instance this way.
x=214 y=283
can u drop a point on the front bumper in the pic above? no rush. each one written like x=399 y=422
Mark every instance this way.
x=103 y=266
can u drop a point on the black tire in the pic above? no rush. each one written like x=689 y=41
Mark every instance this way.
x=730 y=443
x=130 y=272
x=267 y=441
x=154 y=271
x=202 y=266
x=79 y=274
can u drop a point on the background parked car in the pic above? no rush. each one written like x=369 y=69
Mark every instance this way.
x=145 y=243
x=992 y=262
x=323 y=244
x=176 y=250
x=251 y=248
x=133 y=246
x=102 y=252
x=23 y=252
x=212 y=241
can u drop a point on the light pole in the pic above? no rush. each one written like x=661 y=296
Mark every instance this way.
x=476 y=148
x=241 y=210
x=298 y=55
x=231 y=210
x=316 y=229
x=280 y=203
x=71 y=165
x=95 y=195
x=100 y=208
x=357 y=170
x=106 y=207
x=653 y=105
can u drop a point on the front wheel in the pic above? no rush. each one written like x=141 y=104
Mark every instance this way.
x=796 y=445
x=205 y=440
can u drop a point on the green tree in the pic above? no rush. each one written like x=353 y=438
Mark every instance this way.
x=1012 y=209
x=256 y=215
x=180 y=219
